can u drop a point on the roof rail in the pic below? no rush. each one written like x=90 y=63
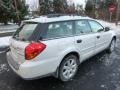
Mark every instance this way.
x=54 y=15
x=59 y=14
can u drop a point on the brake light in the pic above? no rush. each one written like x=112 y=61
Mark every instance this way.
x=33 y=49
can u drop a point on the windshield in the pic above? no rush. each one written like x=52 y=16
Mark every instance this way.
x=25 y=32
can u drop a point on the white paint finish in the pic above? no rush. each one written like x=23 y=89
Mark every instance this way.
x=87 y=46
x=104 y=40
x=17 y=50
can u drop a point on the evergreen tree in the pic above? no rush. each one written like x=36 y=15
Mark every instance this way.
x=5 y=11
x=60 y=6
x=45 y=6
x=8 y=10
x=52 y=6
x=89 y=7
x=22 y=10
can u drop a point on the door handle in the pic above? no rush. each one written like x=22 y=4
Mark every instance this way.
x=79 y=41
x=98 y=37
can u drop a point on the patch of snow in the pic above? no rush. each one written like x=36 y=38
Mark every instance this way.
x=107 y=59
x=118 y=87
x=116 y=83
x=3 y=67
x=4 y=41
x=1 y=32
x=2 y=52
x=111 y=25
x=8 y=27
x=90 y=73
x=103 y=86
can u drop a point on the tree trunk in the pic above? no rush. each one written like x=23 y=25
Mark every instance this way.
x=5 y=23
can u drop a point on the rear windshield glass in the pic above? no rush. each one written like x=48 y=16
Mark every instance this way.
x=25 y=31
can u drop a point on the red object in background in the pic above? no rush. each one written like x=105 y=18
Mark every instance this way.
x=112 y=8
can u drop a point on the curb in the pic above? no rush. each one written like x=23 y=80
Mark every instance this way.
x=2 y=32
x=6 y=34
x=8 y=29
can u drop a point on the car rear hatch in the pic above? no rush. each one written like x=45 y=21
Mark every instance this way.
x=17 y=50
x=26 y=34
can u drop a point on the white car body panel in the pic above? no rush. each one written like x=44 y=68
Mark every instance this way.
x=17 y=50
x=88 y=41
x=104 y=40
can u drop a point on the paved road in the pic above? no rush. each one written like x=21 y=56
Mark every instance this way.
x=101 y=72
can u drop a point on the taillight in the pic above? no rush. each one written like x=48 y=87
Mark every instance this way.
x=33 y=49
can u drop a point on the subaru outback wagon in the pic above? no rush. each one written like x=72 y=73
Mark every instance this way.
x=55 y=46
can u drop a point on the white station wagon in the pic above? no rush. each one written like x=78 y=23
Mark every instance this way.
x=56 y=45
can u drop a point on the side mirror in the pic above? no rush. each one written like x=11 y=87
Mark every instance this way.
x=107 y=29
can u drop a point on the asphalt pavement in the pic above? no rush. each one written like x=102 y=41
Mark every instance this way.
x=101 y=72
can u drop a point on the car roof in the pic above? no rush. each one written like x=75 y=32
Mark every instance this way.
x=46 y=19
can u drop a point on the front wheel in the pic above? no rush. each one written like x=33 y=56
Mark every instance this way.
x=112 y=46
x=68 y=68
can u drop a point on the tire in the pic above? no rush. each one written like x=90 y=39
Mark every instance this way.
x=68 y=68
x=112 y=46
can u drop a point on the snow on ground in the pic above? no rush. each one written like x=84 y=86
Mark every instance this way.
x=8 y=27
x=111 y=25
x=108 y=24
x=3 y=68
x=4 y=41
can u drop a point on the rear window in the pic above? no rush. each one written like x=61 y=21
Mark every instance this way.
x=25 y=31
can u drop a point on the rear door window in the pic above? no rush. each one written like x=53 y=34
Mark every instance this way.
x=60 y=29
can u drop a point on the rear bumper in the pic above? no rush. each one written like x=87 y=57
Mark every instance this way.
x=32 y=70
